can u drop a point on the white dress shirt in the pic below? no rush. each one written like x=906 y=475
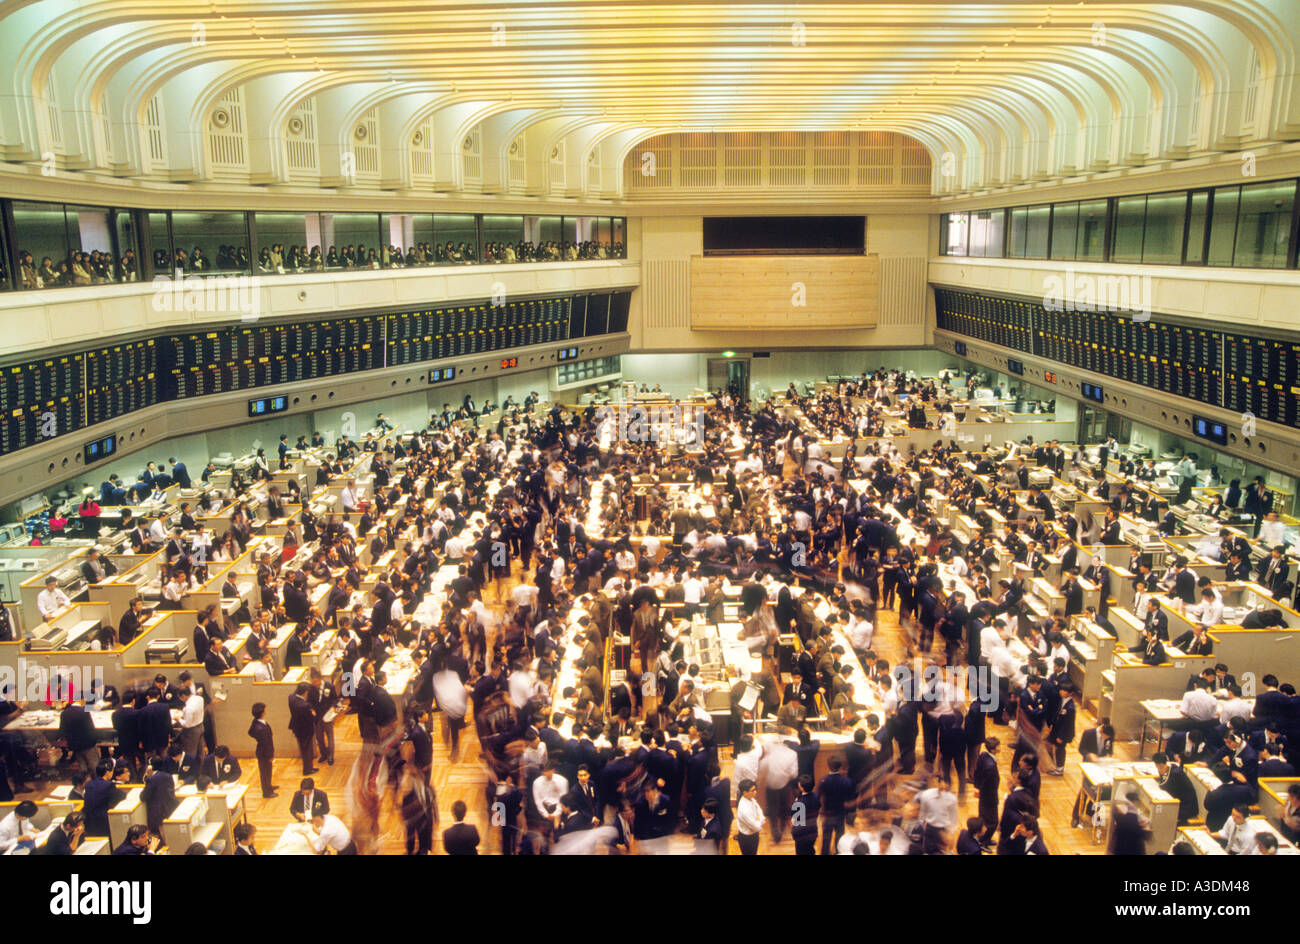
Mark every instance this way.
x=333 y=835
x=1240 y=839
x=51 y=602
x=12 y=828
x=749 y=817
x=745 y=767
x=547 y=792
x=262 y=672
x=938 y=808
x=1199 y=705
x=1272 y=532
x=192 y=713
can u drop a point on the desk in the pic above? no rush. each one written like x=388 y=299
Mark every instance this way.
x=1161 y=712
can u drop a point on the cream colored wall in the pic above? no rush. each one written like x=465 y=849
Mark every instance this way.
x=1226 y=298
x=660 y=314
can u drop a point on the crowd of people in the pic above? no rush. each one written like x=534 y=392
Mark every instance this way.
x=100 y=267
x=576 y=532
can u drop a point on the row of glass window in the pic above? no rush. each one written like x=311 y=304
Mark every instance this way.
x=588 y=370
x=1246 y=226
x=51 y=245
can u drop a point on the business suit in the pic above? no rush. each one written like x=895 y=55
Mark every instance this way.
x=221 y=771
x=320 y=804
x=77 y=729
x=1176 y=783
x=98 y=797
x=155 y=727
x=1017 y=804
x=986 y=778
x=460 y=839
x=803 y=823
x=261 y=733
x=302 y=722
x=837 y=794
x=159 y=796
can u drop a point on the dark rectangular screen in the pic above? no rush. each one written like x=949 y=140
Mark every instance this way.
x=794 y=235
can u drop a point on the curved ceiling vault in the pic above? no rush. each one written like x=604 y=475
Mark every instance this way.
x=548 y=98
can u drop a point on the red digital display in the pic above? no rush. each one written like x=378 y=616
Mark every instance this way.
x=508 y=362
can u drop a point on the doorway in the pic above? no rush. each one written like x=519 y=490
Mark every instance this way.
x=729 y=373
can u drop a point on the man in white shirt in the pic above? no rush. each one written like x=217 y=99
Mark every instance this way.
x=192 y=725
x=328 y=832
x=524 y=595
x=158 y=532
x=1272 y=532
x=262 y=669
x=692 y=589
x=348 y=498
x=938 y=814
x=520 y=687
x=548 y=789
x=861 y=632
x=1238 y=833
x=52 y=601
x=745 y=767
x=749 y=818
x=1199 y=705
x=778 y=769
x=17 y=826
x=454 y=550
x=1236 y=707
x=1209 y=612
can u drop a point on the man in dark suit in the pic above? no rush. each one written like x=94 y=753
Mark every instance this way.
x=803 y=817
x=970 y=839
x=1097 y=742
x=299 y=643
x=461 y=838
x=220 y=767
x=264 y=737
x=1174 y=781
x=1151 y=649
x=837 y=793
x=1018 y=803
x=986 y=777
x=180 y=474
x=1220 y=801
x=65 y=839
x=77 y=731
x=1272 y=572
x=155 y=725
x=218 y=661
x=308 y=801
x=99 y=795
x=1073 y=592
x=159 y=795
x=302 y=722
x=1184 y=587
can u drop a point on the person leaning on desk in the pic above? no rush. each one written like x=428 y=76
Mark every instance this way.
x=1151 y=649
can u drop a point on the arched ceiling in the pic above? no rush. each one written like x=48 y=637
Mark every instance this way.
x=1000 y=93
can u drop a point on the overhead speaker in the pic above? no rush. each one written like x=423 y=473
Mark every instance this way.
x=220 y=119
x=417 y=139
x=468 y=143
x=295 y=126
x=360 y=133
x=514 y=147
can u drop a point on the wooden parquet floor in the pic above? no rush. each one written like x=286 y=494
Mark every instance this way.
x=463 y=779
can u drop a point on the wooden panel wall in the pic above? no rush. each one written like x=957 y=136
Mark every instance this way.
x=784 y=292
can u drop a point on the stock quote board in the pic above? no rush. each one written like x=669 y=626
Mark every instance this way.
x=47 y=397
